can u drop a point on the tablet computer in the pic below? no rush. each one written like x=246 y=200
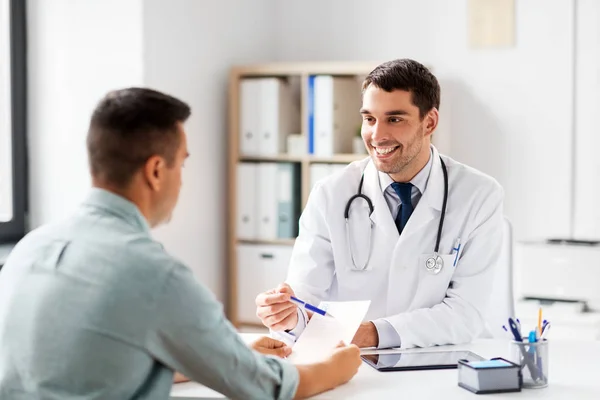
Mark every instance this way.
x=402 y=361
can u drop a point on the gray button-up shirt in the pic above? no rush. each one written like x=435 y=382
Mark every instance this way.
x=94 y=308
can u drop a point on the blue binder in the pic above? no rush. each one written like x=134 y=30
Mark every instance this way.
x=311 y=114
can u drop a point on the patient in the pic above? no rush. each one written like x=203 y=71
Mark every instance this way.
x=93 y=308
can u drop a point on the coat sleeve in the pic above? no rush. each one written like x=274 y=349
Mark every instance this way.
x=459 y=318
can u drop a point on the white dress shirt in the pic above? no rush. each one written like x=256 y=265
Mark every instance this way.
x=386 y=332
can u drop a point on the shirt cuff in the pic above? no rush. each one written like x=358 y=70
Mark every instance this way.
x=302 y=321
x=290 y=378
x=388 y=336
x=289 y=337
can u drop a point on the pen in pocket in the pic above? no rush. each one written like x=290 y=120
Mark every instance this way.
x=456 y=250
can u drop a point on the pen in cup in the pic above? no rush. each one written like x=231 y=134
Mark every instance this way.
x=545 y=331
x=309 y=307
x=527 y=357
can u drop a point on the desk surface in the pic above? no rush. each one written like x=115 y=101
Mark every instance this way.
x=574 y=373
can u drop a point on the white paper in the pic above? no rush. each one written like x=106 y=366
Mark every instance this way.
x=322 y=334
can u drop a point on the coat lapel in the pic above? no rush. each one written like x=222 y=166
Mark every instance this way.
x=429 y=206
x=381 y=216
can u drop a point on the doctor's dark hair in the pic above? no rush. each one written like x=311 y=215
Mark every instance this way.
x=408 y=75
x=128 y=127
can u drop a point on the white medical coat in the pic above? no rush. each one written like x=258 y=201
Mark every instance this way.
x=424 y=309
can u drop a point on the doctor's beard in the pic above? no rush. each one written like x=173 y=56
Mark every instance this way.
x=404 y=155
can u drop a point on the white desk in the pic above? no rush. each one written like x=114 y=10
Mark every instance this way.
x=574 y=373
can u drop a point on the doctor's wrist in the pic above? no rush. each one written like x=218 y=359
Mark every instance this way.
x=366 y=335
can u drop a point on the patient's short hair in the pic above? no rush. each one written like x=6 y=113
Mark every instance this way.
x=128 y=127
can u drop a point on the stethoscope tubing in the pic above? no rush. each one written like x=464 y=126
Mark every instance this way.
x=359 y=194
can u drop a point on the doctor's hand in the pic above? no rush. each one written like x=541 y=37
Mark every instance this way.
x=270 y=346
x=275 y=309
x=366 y=335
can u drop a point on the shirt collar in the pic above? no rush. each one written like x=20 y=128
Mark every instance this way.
x=118 y=205
x=419 y=181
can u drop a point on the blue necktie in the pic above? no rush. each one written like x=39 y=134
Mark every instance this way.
x=404 y=191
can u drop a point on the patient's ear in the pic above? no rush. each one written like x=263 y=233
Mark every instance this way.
x=154 y=172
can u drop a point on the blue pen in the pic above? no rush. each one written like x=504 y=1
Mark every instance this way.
x=309 y=307
x=545 y=331
x=456 y=249
x=514 y=328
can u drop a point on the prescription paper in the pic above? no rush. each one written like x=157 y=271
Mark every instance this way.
x=322 y=334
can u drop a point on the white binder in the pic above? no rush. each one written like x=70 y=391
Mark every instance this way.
x=250 y=99
x=246 y=218
x=279 y=116
x=259 y=268
x=337 y=102
x=267 y=201
x=319 y=172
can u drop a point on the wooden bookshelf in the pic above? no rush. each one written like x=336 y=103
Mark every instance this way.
x=309 y=159
x=300 y=72
x=336 y=159
x=288 y=242
x=278 y=158
x=304 y=68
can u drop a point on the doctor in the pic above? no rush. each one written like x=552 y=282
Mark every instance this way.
x=422 y=232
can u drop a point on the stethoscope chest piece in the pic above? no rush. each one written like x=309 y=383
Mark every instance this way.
x=434 y=264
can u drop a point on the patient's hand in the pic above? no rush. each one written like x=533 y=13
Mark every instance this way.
x=267 y=345
x=179 y=378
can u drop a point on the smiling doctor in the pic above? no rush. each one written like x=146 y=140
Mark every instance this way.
x=412 y=230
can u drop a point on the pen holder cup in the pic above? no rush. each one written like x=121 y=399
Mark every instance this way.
x=533 y=359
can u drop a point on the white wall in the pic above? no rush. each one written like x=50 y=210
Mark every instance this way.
x=188 y=48
x=77 y=51
x=587 y=166
x=509 y=109
x=80 y=49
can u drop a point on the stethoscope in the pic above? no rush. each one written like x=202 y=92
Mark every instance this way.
x=434 y=264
